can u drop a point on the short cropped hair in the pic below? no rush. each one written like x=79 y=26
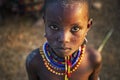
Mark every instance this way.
x=47 y=2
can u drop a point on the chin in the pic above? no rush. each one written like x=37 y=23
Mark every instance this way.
x=63 y=54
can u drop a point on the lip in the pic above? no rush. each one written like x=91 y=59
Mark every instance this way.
x=63 y=49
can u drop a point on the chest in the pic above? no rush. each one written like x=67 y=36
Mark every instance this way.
x=81 y=73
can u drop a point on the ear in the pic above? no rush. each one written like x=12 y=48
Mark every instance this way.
x=44 y=34
x=89 y=23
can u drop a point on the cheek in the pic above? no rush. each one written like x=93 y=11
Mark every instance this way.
x=79 y=38
x=50 y=36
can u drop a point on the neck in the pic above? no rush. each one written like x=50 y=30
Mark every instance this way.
x=59 y=58
x=67 y=66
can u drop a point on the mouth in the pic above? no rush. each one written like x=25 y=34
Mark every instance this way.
x=63 y=49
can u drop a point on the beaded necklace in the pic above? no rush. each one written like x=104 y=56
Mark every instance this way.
x=66 y=65
x=61 y=63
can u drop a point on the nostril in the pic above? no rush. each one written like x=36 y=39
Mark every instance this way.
x=63 y=37
x=60 y=39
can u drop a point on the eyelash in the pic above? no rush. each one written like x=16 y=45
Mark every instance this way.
x=53 y=27
x=75 y=28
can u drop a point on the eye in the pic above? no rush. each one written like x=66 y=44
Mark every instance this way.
x=75 y=28
x=53 y=27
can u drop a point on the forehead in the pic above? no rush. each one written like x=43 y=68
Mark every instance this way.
x=67 y=13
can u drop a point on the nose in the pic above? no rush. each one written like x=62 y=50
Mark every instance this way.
x=64 y=37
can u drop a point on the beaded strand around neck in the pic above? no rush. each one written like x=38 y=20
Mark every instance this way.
x=66 y=65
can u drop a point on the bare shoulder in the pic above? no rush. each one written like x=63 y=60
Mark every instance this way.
x=95 y=60
x=94 y=56
x=31 y=58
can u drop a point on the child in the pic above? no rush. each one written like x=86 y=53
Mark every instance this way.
x=65 y=56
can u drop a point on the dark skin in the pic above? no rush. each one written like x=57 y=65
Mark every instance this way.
x=69 y=24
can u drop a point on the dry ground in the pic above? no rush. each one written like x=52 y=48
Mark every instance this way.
x=20 y=35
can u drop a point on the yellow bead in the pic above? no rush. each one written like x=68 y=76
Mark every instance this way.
x=53 y=71
x=67 y=68
x=56 y=73
x=73 y=70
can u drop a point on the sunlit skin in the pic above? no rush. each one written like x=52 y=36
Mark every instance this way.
x=65 y=28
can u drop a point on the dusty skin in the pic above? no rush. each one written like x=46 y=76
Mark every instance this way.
x=65 y=34
x=19 y=35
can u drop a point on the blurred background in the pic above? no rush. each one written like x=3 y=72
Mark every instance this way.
x=22 y=29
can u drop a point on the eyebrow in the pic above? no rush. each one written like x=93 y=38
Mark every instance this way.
x=52 y=21
x=58 y=18
x=56 y=22
x=77 y=23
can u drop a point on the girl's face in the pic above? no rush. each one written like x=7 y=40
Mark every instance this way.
x=66 y=26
